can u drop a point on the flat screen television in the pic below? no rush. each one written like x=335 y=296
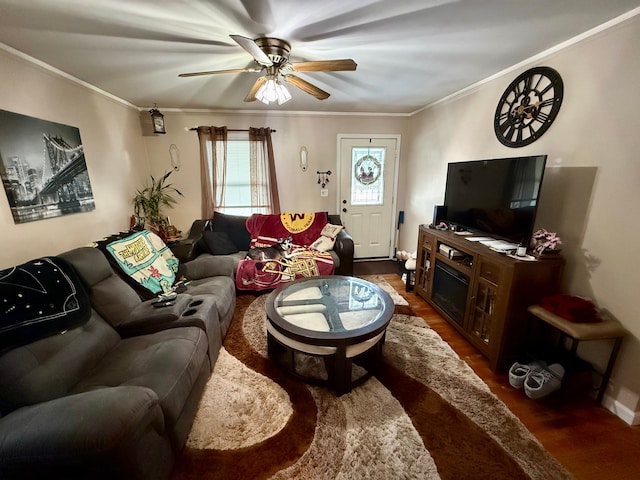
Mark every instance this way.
x=498 y=197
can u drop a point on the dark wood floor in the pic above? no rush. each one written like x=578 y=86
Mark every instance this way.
x=591 y=442
x=376 y=267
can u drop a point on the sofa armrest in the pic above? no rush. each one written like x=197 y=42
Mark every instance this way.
x=344 y=249
x=207 y=265
x=182 y=249
x=145 y=312
x=145 y=318
x=85 y=431
x=187 y=248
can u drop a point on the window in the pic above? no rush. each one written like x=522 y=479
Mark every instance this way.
x=367 y=179
x=235 y=185
x=238 y=178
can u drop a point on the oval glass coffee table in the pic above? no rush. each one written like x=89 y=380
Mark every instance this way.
x=328 y=330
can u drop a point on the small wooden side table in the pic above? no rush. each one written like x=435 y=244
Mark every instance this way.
x=607 y=329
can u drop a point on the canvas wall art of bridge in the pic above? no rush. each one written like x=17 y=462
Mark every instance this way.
x=43 y=168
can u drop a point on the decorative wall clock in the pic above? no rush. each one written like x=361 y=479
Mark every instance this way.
x=158 y=120
x=528 y=107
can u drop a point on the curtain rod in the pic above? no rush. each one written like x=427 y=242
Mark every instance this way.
x=231 y=129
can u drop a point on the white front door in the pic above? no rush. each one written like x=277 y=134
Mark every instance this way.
x=368 y=191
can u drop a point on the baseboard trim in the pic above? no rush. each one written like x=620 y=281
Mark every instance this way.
x=621 y=411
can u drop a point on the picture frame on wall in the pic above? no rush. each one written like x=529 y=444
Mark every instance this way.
x=43 y=168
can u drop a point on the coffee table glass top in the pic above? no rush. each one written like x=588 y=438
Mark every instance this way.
x=332 y=304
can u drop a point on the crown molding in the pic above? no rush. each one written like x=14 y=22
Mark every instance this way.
x=65 y=75
x=535 y=58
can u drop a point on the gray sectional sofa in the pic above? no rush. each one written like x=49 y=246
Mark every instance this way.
x=115 y=396
x=112 y=393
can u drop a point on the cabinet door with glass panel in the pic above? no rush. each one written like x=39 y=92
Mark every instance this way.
x=483 y=304
x=423 y=264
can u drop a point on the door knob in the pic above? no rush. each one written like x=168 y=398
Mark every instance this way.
x=344 y=210
x=344 y=201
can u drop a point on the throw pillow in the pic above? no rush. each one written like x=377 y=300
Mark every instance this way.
x=327 y=238
x=145 y=258
x=234 y=226
x=323 y=244
x=218 y=243
x=330 y=230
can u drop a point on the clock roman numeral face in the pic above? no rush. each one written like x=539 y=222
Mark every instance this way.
x=528 y=107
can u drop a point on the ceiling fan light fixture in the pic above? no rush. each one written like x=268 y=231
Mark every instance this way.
x=283 y=93
x=273 y=90
x=272 y=56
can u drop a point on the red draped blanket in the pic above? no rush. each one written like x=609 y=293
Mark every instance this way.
x=301 y=261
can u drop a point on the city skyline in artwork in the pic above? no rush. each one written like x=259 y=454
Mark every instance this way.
x=43 y=168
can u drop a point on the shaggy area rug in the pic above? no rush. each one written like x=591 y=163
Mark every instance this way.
x=424 y=415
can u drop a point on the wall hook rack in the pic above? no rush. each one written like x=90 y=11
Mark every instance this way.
x=323 y=177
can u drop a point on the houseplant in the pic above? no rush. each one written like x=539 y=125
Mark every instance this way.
x=148 y=204
x=545 y=242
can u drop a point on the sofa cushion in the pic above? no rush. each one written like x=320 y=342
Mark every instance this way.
x=55 y=440
x=217 y=243
x=39 y=298
x=223 y=290
x=234 y=226
x=147 y=259
x=168 y=362
x=49 y=368
x=111 y=296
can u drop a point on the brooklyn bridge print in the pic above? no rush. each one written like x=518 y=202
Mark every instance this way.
x=42 y=167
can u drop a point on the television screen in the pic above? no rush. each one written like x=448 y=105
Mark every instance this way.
x=498 y=197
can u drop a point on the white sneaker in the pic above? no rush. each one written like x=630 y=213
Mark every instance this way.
x=542 y=383
x=519 y=371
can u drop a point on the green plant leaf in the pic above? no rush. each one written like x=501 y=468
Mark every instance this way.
x=150 y=200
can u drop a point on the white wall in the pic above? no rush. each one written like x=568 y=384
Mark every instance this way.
x=591 y=188
x=299 y=191
x=114 y=153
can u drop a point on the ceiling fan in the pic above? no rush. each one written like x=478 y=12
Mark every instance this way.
x=272 y=56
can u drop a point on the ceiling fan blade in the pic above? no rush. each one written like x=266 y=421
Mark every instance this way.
x=324 y=66
x=214 y=72
x=251 y=96
x=306 y=87
x=250 y=46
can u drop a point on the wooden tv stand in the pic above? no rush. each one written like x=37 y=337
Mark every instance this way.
x=490 y=311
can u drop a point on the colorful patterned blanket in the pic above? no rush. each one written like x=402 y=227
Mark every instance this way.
x=300 y=261
x=145 y=258
x=303 y=228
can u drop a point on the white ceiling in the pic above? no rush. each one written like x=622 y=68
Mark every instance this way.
x=410 y=53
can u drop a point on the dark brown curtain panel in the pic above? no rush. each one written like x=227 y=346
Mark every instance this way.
x=213 y=166
x=264 y=186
